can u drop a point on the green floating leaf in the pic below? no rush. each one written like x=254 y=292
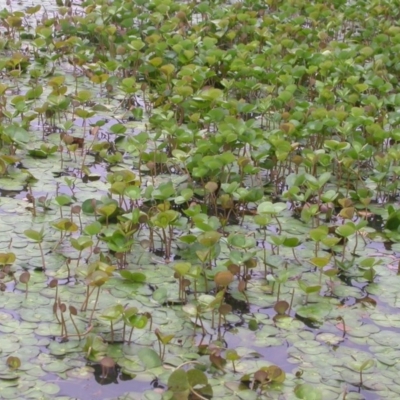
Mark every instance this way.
x=160 y=295
x=136 y=277
x=149 y=358
x=196 y=377
x=271 y=208
x=314 y=312
x=307 y=392
x=178 y=381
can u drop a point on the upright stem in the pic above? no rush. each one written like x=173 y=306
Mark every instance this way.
x=159 y=348
x=130 y=336
x=42 y=255
x=291 y=302
x=63 y=325
x=163 y=352
x=344 y=250
x=94 y=306
x=279 y=291
x=79 y=259
x=76 y=328
x=279 y=224
x=295 y=257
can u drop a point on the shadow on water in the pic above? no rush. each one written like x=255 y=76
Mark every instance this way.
x=114 y=385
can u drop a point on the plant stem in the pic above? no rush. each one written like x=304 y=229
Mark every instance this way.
x=76 y=328
x=130 y=336
x=197 y=395
x=85 y=303
x=94 y=306
x=279 y=292
x=79 y=259
x=42 y=255
x=279 y=224
x=291 y=303
x=63 y=325
x=295 y=257
x=159 y=347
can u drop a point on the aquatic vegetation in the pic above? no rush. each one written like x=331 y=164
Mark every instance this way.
x=200 y=198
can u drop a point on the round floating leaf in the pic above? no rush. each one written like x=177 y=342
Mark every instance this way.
x=50 y=388
x=149 y=358
x=178 y=383
x=81 y=373
x=314 y=312
x=306 y=391
x=242 y=241
x=329 y=338
x=196 y=377
x=271 y=208
x=137 y=277
x=190 y=309
x=56 y=366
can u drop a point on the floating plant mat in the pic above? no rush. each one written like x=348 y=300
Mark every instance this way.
x=199 y=200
